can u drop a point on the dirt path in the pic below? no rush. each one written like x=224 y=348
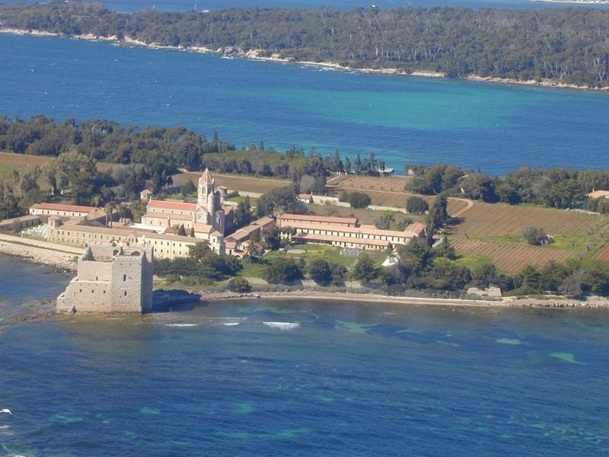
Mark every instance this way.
x=470 y=203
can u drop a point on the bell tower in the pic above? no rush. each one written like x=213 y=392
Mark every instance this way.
x=206 y=187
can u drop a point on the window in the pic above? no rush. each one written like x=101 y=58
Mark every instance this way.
x=124 y=278
x=125 y=293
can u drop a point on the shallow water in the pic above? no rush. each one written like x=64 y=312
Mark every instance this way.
x=305 y=378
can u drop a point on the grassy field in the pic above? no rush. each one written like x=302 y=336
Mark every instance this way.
x=234 y=182
x=385 y=183
x=365 y=216
x=10 y=162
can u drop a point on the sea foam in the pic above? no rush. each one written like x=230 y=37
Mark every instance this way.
x=282 y=325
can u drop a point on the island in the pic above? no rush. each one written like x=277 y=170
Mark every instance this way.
x=553 y=47
x=272 y=222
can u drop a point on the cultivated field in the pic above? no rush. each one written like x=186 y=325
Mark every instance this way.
x=498 y=220
x=603 y=254
x=495 y=231
x=511 y=257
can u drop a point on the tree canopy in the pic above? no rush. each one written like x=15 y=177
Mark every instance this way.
x=557 y=44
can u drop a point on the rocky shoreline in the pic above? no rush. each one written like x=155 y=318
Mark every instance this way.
x=65 y=261
x=233 y=52
x=550 y=303
x=30 y=253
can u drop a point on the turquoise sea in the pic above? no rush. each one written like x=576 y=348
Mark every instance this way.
x=299 y=378
x=403 y=120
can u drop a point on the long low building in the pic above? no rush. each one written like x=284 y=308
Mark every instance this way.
x=165 y=246
x=346 y=233
x=236 y=243
x=60 y=209
x=293 y=219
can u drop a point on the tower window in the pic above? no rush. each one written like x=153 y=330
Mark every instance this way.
x=124 y=278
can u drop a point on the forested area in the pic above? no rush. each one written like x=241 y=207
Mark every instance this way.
x=107 y=141
x=147 y=156
x=550 y=187
x=150 y=155
x=562 y=45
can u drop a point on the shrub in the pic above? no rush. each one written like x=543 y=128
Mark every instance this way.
x=239 y=285
x=416 y=205
x=536 y=236
x=359 y=200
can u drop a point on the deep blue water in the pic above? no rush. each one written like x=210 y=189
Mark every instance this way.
x=348 y=379
x=491 y=127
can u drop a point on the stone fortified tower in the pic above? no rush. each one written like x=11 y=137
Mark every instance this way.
x=112 y=278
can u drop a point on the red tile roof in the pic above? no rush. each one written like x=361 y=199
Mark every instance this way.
x=168 y=204
x=64 y=207
x=320 y=219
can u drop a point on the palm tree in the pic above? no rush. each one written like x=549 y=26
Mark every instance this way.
x=122 y=208
x=109 y=209
x=251 y=251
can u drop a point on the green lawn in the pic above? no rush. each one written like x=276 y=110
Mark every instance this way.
x=308 y=252
x=239 y=199
x=6 y=169
x=473 y=261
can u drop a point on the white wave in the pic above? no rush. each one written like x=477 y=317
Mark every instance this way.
x=228 y=321
x=5 y=411
x=180 y=325
x=282 y=325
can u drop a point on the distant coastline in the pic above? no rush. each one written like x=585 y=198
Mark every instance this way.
x=232 y=52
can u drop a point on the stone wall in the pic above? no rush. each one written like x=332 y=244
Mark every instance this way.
x=19 y=223
x=40 y=251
